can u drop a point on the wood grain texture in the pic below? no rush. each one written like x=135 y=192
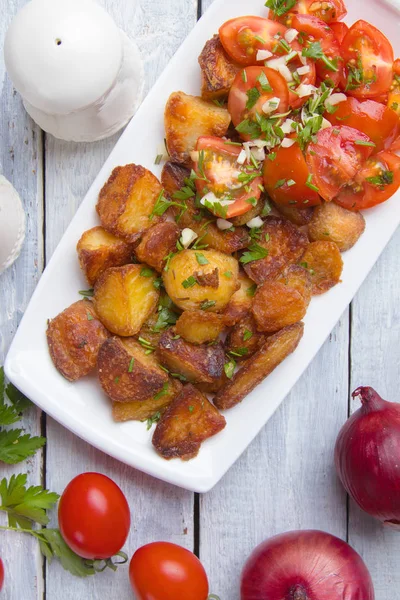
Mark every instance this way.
x=21 y=162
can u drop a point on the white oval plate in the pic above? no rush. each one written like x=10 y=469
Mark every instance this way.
x=81 y=406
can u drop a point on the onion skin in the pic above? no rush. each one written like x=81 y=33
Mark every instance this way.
x=305 y=565
x=367 y=456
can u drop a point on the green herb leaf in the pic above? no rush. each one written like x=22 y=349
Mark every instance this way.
x=280 y=7
x=25 y=505
x=158 y=159
x=251 y=290
x=53 y=545
x=244 y=76
x=280 y=183
x=15 y=446
x=201 y=259
x=165 y=317
x=239 y=352
x=364 y=143
x=146 y=272
x=264 y=83
x=132 y=362
x=228 y=274
x=8 y=415
x=17 y=398
x=385 y=178
x=146 y=344
x=254 y=252
x=87 y=293
x=253 y=96
x=89 y=316
x=247 y=335
x=207 y=304
x=229 y=368
x=314 y=51
x=189 y=282
x=154 y=419
x=162 y=392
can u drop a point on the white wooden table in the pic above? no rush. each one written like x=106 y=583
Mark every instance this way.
x=286 y=479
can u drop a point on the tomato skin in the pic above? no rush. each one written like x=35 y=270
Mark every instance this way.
x=238 y=37
x=334 y=159
x=94 y=516
x=363 y=194
x=335 y=11
x=289 y=164
x=377 y=121
x=339 y=29
x=393 y=99
x=1 y=574
x=165 y=571
x=217 y=153
x=364 y=42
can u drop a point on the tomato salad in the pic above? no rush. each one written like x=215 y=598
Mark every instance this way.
x=315 y=105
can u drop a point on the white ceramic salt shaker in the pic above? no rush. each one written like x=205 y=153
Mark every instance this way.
x=12 y=224
x=80 y=76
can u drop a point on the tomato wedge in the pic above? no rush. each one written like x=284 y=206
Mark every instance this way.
x=335 y=157
x=376 y=182
x=339 y=29
x=250 y=94
x=220 y=173
x=320 y=44
x=328 y=11
x=286 y=176
x=242 y=37
x=380 y=123
x=393 y=100
x=368 y=58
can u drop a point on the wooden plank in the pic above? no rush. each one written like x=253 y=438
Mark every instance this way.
x=159 y=511
x=374 y=362
x=21 y=155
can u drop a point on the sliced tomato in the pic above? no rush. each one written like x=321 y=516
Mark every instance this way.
x=375 y=183
x=314 y=31
x=339 y=29
x=368 y=61
x=393 y=100
x=335 y=157
x=395 y=147
x=328 y=11
x=247 y=96
x=220 y=173
x=286 y=176
x=377 y=121
x=242 y=37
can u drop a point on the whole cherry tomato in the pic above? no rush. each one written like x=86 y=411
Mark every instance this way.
x=1 y=574
x=165 y=571
x=94 y=516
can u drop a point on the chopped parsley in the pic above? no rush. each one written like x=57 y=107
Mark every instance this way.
x=356 y=76
x=310 y=185
x=191 y=408
x=132 y=362
x=89 y=317
x=254 y=252
x=244 y=75
x=229 y=368
x=162 y=392
x=239 y=352
x=189 y=282
x=158 y=159
x=264 y=83
x=146 y=272
x=228 y=274
x=207 y=304
x=162 y=205
x=280 y=7
x=87 y=293
x=280 y=183
x=384 y=178
x=201 y=259
x=165 y=317
x=364 y=143
x=146 y=345
x=247 y=335
x=266 y=210
x=251 y=290
x=154 y=419
x=314 y=51
x=394 y=106
x=253 y=95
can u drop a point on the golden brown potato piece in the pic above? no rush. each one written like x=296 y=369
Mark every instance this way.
x=258 y=367
x=186 y=118
x=195 y=363
x=249 y=215
x=202 y=280
x=127 y=373
x=199 y=326
x=173 y=177
x=74 y=338
x=239 y=305
x=325 y=265
x=124 y=298
x=140 y=410
x=276 y=305
x=297 y=216
x=99 y=250
x=217 y=70
x=333 y=223
x=298 y=278
x=157 y=242
x=188 y=421
x=244 y=339
x=127 y=201
x=285 y=244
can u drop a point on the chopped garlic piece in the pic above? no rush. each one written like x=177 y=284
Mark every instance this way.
x=275 y=63
x=188 y=236
x=335 y=99
x=287 y=143
x=291 y=35
x=285 y=72
x=223 y=224
x=263 y=55
x=241 y=159
x=305 y=90
x=287 y=126
x=256 y=222
x=303 y=70
x=194 y=155
x=271 y=105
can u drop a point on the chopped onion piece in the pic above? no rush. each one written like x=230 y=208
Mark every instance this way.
x=291 y=35
x=256 y=222
x=188 y=236
x=285 y=72
x=258 y=153
x=271 y=105
x=287 y=126
x=287 y=143
x=263 y=55
x=325 y=124
x=194 y=155
x=290 y=56
x=223 y=224
x=335 y=99
x=303 y=70
x=302 y=58
x=305 y=89
x=275 y=63
x=241 y=159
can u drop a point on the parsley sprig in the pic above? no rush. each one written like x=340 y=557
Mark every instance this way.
x=314 y=51
x=280 y=7
x=254 y=252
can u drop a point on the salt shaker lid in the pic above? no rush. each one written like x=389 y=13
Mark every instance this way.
x=62 y=55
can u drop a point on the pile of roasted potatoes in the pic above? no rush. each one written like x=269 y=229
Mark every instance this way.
x=185 y=304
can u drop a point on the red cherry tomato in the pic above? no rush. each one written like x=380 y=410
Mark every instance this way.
x=368 y=61
x=1 y=574
x=285 y=178
x=222 y=172
x=375 y=183
x=242 y=37
x=315 y=30
x=94 y=516
x=339 y=30
x=164 y=571
x=335 y=158
x=244 y=104
x=377 y=121
x=331 y=10
x=393 y=100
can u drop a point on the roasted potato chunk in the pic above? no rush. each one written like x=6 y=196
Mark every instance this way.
x=157 y=242
x=199 y=326
x=297 y=216
x=240 y=303
x=325 y=265
x=99 y=250
x=204 y=281
x=333 y=223
x=74 y=338
x=186 y=118
x=298 y=278
x=244 y=339
x=249 y=215
x=188 y=421
x=124 y=298
x=276 y=305
x=258 y=367
x=127 y=201
x=285 y=244
x=173 y=177
x=140 y=410
x=127 y=373
x=217 y=70
x=195 y=363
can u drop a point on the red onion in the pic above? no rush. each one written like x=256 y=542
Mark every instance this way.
x=305 y=565
x=367 y=456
